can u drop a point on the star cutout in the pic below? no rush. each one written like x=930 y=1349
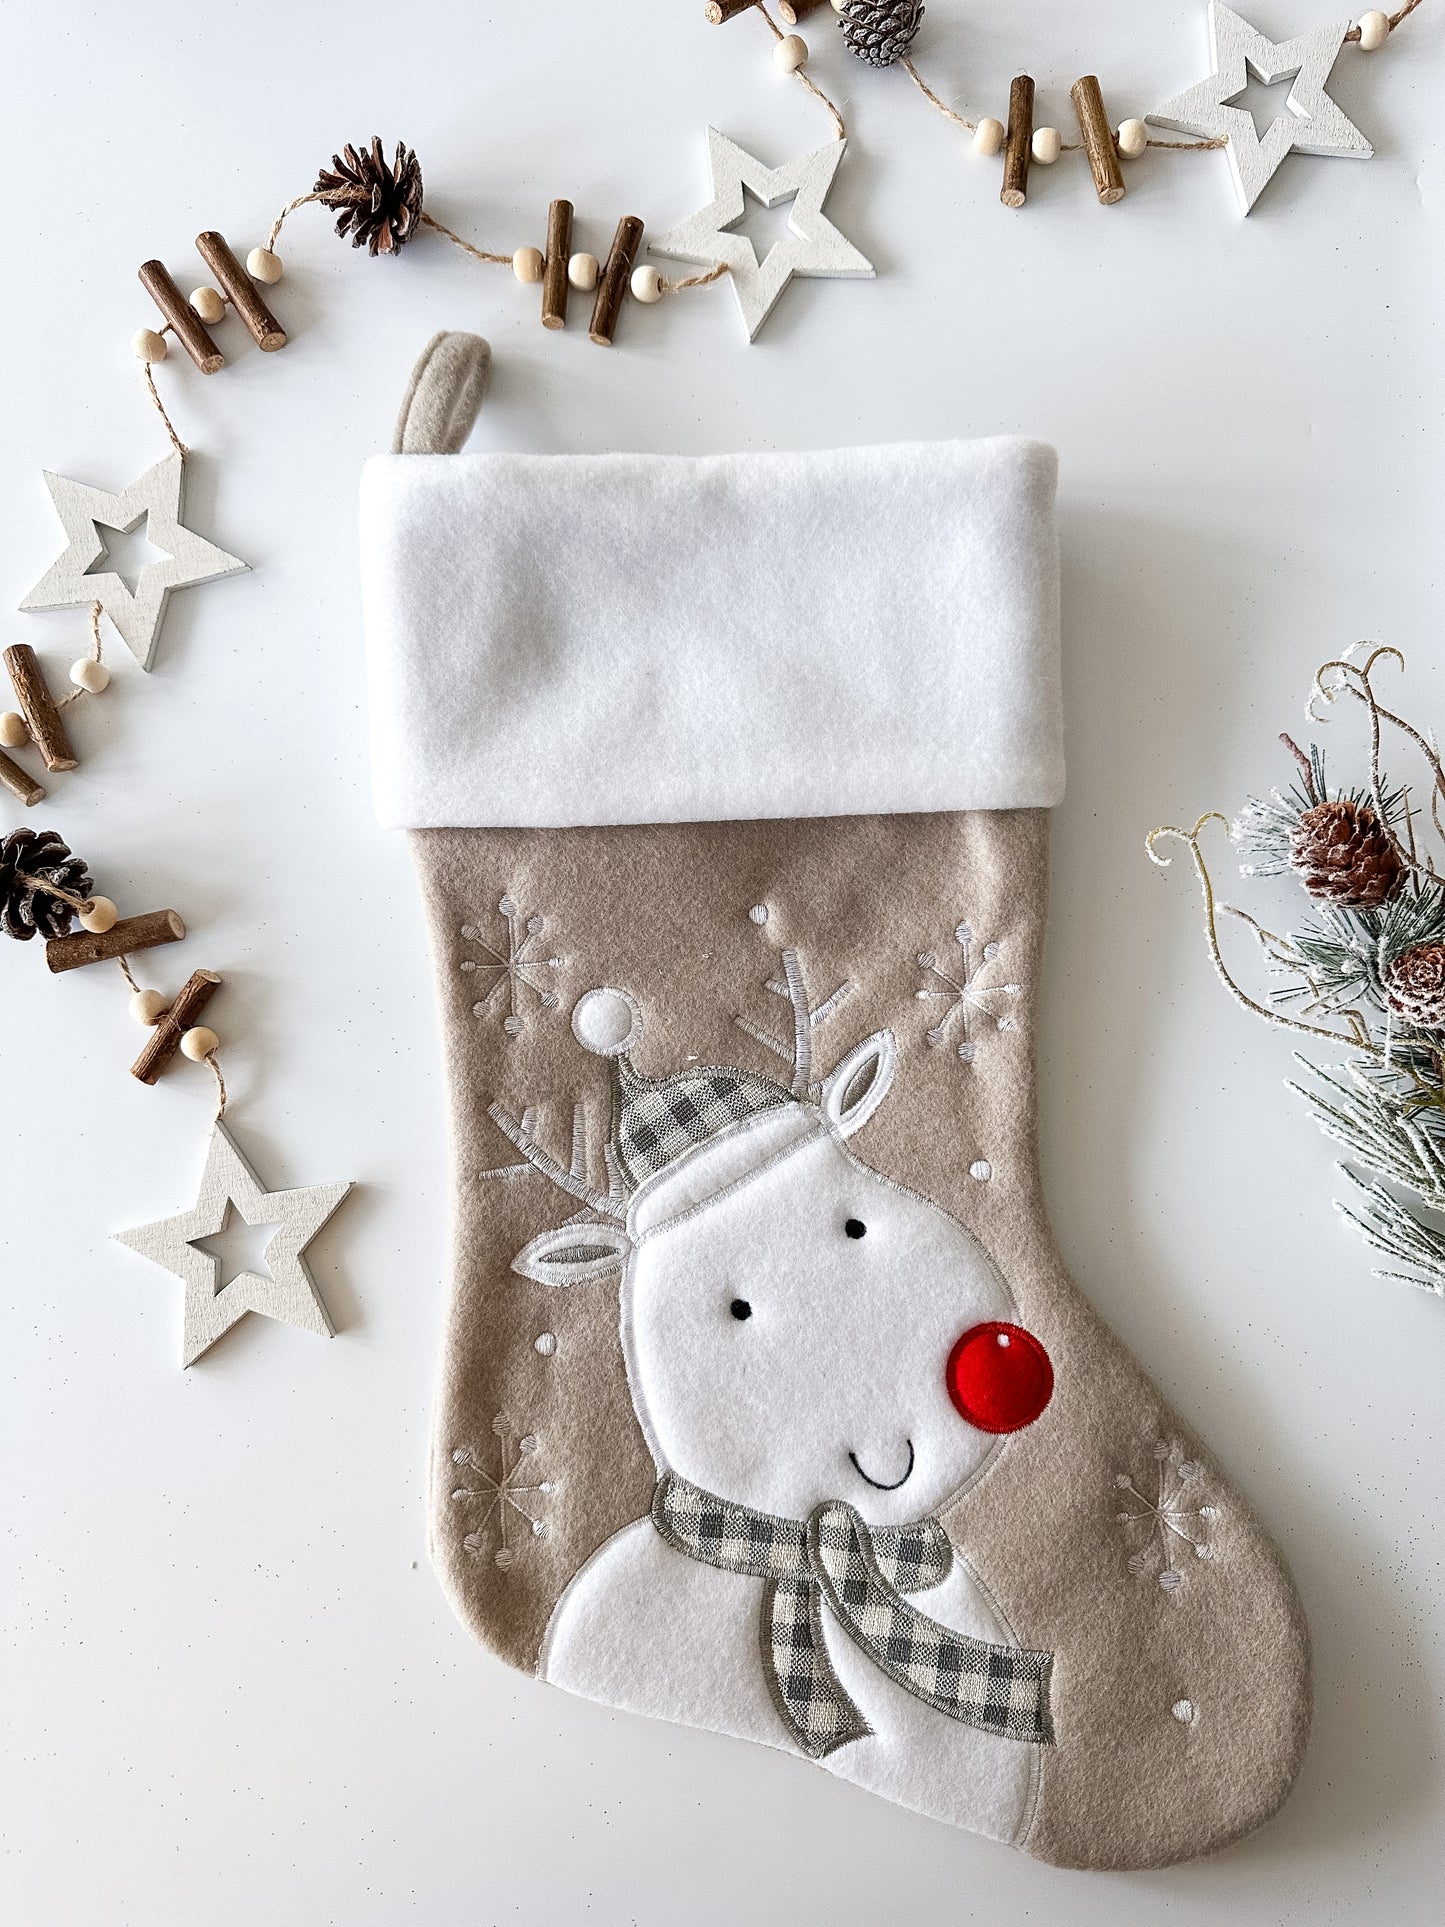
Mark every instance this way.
x=289 y=1294
x=812 y=247
x=1310 y=124
x=154 y=499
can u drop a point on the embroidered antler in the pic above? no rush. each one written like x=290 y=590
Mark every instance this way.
x=806 y=1019
x=571 y=1179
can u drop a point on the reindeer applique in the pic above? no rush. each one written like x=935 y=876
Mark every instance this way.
x=819 y=1360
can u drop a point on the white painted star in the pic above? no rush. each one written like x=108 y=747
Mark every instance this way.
x=289 y=1294
x=1311 y=123
x=813 y=246
x=84 y=511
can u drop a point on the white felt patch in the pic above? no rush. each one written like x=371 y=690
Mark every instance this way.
x=832 y=1383
x=647 y=1629
x=642 y=638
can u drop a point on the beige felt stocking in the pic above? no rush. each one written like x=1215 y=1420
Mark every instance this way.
x=768 y=1405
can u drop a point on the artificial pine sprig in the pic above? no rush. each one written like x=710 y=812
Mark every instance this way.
x=1363 y=969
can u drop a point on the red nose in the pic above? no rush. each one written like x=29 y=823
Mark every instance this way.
x=999 y=1377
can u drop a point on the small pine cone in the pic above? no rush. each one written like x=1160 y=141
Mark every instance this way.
x=880 y=31
x=1415 y=986
x=1344 y=855
x=39 y=854
x=378 y=205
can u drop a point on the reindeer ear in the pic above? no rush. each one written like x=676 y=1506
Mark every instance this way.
x=860 y=1083
x=573 y=1253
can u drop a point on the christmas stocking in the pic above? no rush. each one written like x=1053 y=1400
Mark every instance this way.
x=767 y=1404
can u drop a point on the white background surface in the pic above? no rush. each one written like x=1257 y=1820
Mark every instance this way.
x=231 y=1686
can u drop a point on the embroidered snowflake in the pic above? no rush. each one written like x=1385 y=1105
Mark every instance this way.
x=508 y=977
x=1166 y=1524
x=505 y=1493
x=967 y=996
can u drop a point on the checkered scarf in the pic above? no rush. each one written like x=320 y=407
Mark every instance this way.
x=860 y=1573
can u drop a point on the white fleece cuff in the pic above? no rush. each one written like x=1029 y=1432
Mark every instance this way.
x=569 y=639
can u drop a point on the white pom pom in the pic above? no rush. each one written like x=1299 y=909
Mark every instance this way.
x=607 y=1022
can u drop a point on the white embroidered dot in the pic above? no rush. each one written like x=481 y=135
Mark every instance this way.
x=1184 y=1712
x=545 y=1343
x=759 y=913
x=981 y=1169
x=607 y=1022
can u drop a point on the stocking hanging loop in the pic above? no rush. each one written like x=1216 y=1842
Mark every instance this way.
x=444 y=395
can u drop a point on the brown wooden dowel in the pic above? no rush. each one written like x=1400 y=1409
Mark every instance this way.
x=792 y=11
x=240 y=290
x=131 y=933
x=19 y=781
x=554 y=275
x=47 y=730
x=717 y=11
x=613 y=285
x=165 y=1040
x=1098 y=139
x=182 y=317
x=1020 y=133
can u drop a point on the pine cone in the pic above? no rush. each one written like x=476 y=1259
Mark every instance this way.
x=1345 y=856
x=880 y=31
x=1415 y=986
x=38 y=853
x=378 y=205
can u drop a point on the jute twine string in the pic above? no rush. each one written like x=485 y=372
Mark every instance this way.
x=801 y=73
x=97 y=654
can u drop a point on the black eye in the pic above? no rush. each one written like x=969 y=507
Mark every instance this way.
x=740 y=1308
x=855 y=1227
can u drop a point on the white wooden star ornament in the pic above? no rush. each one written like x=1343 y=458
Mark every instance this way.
x=73 y=580
x=289 y=1294
x=812 y=246
x=1310 y=123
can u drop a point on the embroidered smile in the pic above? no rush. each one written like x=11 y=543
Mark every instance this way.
x=884 y=1485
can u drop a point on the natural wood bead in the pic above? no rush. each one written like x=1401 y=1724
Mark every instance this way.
x=90 y=675
x=527 y=264
x=146 y=345
x=198 y=1043
x=1046 y=145
x=209 y=303
x=1374 y=30
x=98 y=916
x=264 y=266
x=1132 y=139
x=13 y=733
x=148 y=1007
x=988 y=137
x=582 y=272
x=791 y=52
x=646 y=284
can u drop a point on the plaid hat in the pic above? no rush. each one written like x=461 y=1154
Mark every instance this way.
x=658 y=1118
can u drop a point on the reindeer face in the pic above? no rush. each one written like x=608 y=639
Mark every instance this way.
x=789 y=1315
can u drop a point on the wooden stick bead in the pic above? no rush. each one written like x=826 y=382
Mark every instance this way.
x=717 y=12
x=555 y=283
x=98 y=916
x=240 y=290
x=20 y=782
x=1017 y=141
x=131 y=933
x=41 y=716
x=198 y=1043
x=792 y=11
x=165 y=1040
x=1098 y=140
x=615 y=276
x=185 y=323
x=1132 y=139
x=209 y=304
x=91 y=676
